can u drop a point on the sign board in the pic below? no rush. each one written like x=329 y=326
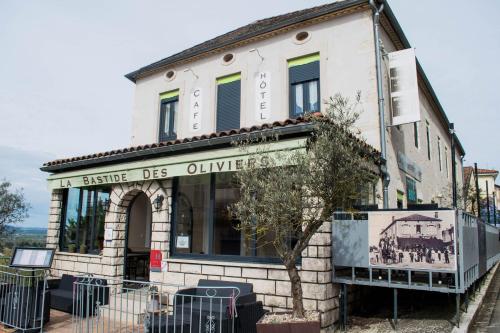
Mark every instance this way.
x=195 y=110
x=32 y=258
x=412 y=239
x=182 y=242
x=220 y=160
x=262 y=96
x=108 y=234
x=155 y=261
x=404 y=87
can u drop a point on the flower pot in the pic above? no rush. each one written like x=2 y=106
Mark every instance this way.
x=71 y=248
x=288 y=326
x=83 y=249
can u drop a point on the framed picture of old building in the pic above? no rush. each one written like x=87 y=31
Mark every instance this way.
x=412 y=240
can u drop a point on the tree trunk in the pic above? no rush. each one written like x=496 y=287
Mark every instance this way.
x=298 y=304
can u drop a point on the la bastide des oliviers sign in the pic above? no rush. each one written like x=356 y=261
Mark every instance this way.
x=221 y=160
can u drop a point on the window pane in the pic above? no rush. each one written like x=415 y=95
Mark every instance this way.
x=313 y=97
x=175 y=107
x=193 y=200
x=87 y=218
x=166 y=128
x=102 y=197
x=71 y=218
x=299 y=99
x=227 y=240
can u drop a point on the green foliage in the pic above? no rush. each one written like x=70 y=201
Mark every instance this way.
x=300 y=189
x=13 y=207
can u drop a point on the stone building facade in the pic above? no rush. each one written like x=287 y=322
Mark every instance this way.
x=190 y=107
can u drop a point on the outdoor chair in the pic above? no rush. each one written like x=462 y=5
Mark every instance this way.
x=210 y=304
x=61 y=294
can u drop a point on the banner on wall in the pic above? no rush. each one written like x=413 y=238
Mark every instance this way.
x=262 y=96
x=404 y=87
x=412 y=240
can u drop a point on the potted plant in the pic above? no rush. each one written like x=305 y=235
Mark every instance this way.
x=298 y=190
x=83 y=249
x=72 y=248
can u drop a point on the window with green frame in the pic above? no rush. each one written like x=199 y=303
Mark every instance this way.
x=303 y=75
x=82 y=219
x=411 y=190
x=169 y=103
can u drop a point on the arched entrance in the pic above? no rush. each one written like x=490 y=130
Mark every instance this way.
x=138 y=239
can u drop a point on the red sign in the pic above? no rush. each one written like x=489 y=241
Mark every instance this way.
x=155 y=261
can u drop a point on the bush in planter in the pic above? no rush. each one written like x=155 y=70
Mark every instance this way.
x=72 y=248
x=297 y=190
x=83 y=249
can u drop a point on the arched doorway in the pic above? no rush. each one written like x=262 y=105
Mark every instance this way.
x=138 y=239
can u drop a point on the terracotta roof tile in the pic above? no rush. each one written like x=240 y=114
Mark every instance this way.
x=256 y=128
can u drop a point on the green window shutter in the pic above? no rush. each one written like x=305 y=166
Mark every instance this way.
x=303 y=60
x=169 y=94
x=228 y=102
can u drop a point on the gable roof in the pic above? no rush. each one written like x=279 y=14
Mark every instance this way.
x=418 y=217
x=248 y=31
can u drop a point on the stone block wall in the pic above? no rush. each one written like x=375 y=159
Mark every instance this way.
x=109 y=263
x=270 y=281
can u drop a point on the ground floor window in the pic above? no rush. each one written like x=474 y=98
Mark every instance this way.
x=82 y=223
x=203 y=223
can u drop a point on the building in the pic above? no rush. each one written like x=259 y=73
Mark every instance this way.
x=486 y=180
x=169 y=189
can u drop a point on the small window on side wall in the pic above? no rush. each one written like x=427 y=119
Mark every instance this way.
x=168 y=115
x=304 y=85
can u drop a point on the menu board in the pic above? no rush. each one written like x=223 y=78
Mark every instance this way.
x=32 y=257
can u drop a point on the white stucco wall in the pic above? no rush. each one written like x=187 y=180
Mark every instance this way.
x=347 y=64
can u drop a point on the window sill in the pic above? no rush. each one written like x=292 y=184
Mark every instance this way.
x=216 y=262
x=81 y=255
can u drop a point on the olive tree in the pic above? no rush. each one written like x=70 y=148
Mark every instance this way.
x=287 y=201
x=13 y=207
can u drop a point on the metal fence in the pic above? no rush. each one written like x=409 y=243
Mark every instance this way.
x=103 y=305
x=23 y=302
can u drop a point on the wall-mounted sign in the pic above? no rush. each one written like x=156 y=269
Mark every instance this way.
x=108 y=234
x=155 y=261
x=262 y=96
x=220 y=160
x=182 y=242
x=195 y=110
x=404 y=87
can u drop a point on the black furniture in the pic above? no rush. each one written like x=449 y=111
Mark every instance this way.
x=22 y=306
x=210 y=303
x=80 y=298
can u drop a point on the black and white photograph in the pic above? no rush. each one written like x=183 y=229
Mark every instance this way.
x=420 y=240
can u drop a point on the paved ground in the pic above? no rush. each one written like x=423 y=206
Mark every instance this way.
x=488 y=317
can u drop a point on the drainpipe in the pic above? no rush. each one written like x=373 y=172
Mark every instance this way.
x=378 y=60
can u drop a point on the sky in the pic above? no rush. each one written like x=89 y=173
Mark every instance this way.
x=62 y=66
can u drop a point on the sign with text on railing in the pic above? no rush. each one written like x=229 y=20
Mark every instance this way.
x=219 y=160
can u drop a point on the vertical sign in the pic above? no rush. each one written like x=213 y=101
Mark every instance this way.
x=195 y=109
x=262 y=96
x=155 y=261
x=404 y=87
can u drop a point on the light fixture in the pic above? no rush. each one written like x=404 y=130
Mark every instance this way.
x=158 y=202
x=190 y=70
x=258 y=53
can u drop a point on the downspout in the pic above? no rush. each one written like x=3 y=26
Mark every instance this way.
x=378 y=63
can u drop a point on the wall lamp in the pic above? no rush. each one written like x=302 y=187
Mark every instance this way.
x=190 y=70
x=158 y=202
x=258 y=53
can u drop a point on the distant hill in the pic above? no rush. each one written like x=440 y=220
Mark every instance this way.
x=28 y=230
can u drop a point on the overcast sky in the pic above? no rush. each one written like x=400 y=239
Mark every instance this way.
x=62 y=90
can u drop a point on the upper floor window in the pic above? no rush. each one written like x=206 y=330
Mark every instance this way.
x=304 y=85
x=411 y=190
x=228 y=102
x=428 y=137
x=415 y=134
x=82 y=220
x=439 y=154
x=446 y=160
x=168 y=115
